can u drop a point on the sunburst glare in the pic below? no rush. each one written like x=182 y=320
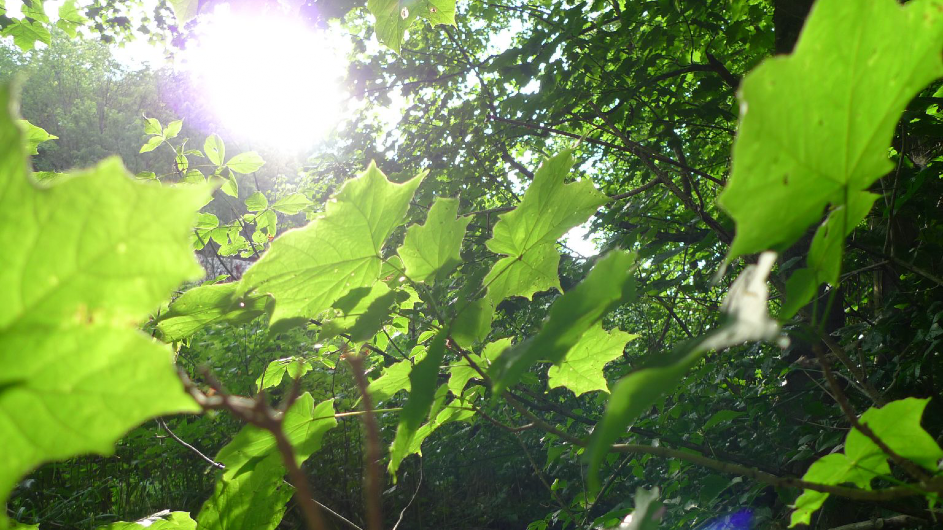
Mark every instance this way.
x=268 y=78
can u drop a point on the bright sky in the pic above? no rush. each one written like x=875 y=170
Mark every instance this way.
x=270 y=77
x=277 y=81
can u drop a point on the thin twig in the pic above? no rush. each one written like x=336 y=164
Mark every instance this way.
x=196 y=451
x=402 y=512
x=372 y=457
x=911 y=468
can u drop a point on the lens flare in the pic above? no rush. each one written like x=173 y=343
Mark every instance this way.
x=268 y=78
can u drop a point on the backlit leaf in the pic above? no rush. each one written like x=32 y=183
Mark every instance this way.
x=394 y=17
x=422 y=381
x=431 y=250
x=528 y=234
x=245 y=163
x=826 y=147
x=610 y=284
x=215 y=149
x=291 y=204
x=581 y=369
x=95 y=253
x=306 y=270
x=211 y=304
x=34 y=136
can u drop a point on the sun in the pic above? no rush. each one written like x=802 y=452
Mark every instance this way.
x=268 y=78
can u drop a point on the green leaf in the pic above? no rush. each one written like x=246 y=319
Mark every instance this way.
x=473 y=323
x=152 y=143
x=194 y=176
x=253 y=499
x=747 y=319
x=182 y=163
x=394 y=17
x=395 y=378
x=291 y=204
x=364 y=311
x=722 y=416
x=462 y=372
x=897 y=424
x=306 y=270
x=422 y=380
x=245 y=163
x=70 y=304
x=829 y=470
x=256 y=202
x=825 y=253
x=70 y=19
x=581 y=369
x=211 y=304
x=230 y=186
x=152 y=126
x=26 y=33
x=826 y=148
x=431 y=251
x=609 y=285
x=215 y=149
x=528 y=234
x=159 y=521
x=185 y=10
x=304 y=426
x=34 y=136
x=173 y=129
x=295 y=367
x=252 y=492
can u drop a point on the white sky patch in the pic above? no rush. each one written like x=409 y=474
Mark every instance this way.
x=578 y=240
x=270 y=78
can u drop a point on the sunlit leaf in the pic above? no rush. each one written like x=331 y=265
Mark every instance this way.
x=431 y=250
x=256 y=202
x=173 y=129
x=152 y=143
x=897 y=424
x=527 y=235
x=165 y=520
x=826 y=147
x=245 y=163
x=215 y=149
x=581 y=369
x=211 y=304
x=34 y=136
x=394 y=17
x=95 y=253
x=610 y=284
x=307 y=270
x=27 y=33
x=291 y=204
x=69 y=18
x=462 y=372
x=152 y=126
x=361 y=313
x=422 y=381
x=293 y=367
